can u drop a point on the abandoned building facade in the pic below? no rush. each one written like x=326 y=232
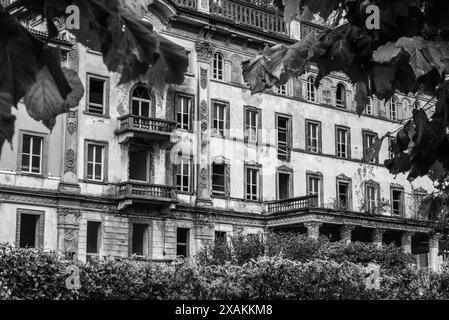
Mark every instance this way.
x=159 y=172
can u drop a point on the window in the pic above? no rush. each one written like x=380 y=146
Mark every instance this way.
x=392 y=109
x=139 y=239
x=184 y=175
x=93 y=238
x=371 y=197
x=220 y=237
x=368 y=139
x=95 y=162
x=282 y=89
x=139 y=164
x=397 y=202
x=252 y=123
x=218 y=179
x=284 y=185
x=184 y=112
x=340 y=98
x=218 y=66
x=182 y=242
x=314 y=186
x=252 y=184
x=343 y=142
x=391 y=141
x=283 y=137
x=141 y=102
x=311 y=90
x=31 y=158
x=369 y=109
x=221 y=118
x=343 y=195
x=313 y=136
x=97 y=95
x=30 y=229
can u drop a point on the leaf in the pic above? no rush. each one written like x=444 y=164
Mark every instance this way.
x=277 y=64
x=44 y=101
x=373 y=151
x=399 y=164
x=361 y=97
x=386 y=53
x=383 y=81
x=6 y=119
x=436 y=171
x=137 y=8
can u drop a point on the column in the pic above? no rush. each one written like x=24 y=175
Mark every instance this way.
x=204 y=52
x=68 y=230
x=203 y=5
x=376 y=236
x=346 y=232
x=313 y=229
x=406 y=241
x=204 y=233
x=434 y=262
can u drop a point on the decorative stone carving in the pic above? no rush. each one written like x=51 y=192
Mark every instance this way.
x=204 y=51
x=434 y=240
x=406 y=238
x=70 y=161
x=68 y=225
x=203 y=178
x=72 y=121
x=327 y=96
x=68 y=216
x=376 y=235
x=313 y=229
x=203 y=78
x=346 y=232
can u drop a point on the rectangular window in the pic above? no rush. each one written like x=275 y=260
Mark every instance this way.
x=97 y=95
x=184 y=112
x=32 y=151
x=95 y=162
x=397 y=202
x=252 y=184
x=140 y=239
x=251 y=124
x=314 y=185
x=390 y=148
x=218 y=179
x=30 y=229
x=182 y=242
x=220 y=237
x=220 y=118
x=283 y=137
x=313 y=136
x=343 y=196
x=369 y=107
x=368 y=140
x=184 y=175
x=138 y=164
x=282 y=89
x=284 y=185
x=342 y=142
x=93 y=238
x=371 y=198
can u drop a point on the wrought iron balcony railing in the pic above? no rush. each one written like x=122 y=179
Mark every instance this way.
x=290 y=204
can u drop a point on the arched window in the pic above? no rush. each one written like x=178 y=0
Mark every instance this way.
x=218 y=66
x=311 y=90
x=392 y=109
x=141 y=102
x=340 y=99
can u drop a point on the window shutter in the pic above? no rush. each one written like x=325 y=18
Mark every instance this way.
x=228 y=120
x=214 y=116
x=259 y=125
x=40 y=240
x=18 y=227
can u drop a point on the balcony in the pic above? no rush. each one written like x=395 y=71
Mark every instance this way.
x=132 y=127
x=291 y=204
x=242 y=13
x=130 y=193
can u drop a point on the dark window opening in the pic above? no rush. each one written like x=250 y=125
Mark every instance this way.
x=141 y=102
x=397 y=202
x=218 y=179
x=343 y=196
x=284 y=186
x=220 y=237
x=29 y=230
x=138 y=165
x=182 y=242
x=139 y=239
x=96 y=95
x=283 y=137
x=93 y=241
